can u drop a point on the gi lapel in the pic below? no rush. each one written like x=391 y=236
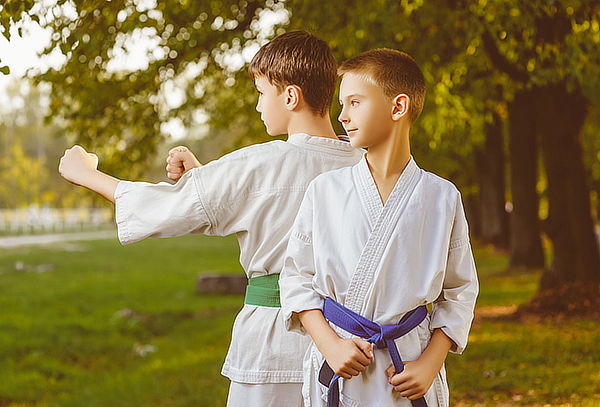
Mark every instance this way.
x=367 y=191
x=383 y=220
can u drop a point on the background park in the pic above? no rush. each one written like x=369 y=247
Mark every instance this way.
x=512 y=117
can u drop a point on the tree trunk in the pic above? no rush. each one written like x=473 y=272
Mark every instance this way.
x=473 y=214
x=525 y=242
x=489 y=161
x=561 y=115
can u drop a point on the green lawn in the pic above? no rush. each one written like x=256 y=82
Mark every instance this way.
x=96 y=324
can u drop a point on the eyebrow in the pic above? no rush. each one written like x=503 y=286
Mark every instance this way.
x=352 y=96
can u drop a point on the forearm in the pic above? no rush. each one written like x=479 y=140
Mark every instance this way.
x=101 y=183
x=318 y=328
x=435 y=353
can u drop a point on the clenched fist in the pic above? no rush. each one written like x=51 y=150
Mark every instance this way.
x=76 y=165
x=180 y=161
x=349 y=357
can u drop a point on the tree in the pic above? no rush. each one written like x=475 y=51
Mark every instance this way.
x=21 y=179
x=118 y=112
x=480 y=57
x=526 y=244
x=549 y=48
x=490 y=164
x=559 y=44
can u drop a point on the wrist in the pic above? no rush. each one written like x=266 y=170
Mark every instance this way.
x=88 y=177
x=328 y=344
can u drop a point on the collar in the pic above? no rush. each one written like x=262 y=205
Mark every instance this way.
x=322 y=144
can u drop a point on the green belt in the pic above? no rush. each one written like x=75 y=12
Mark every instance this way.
x=263 y=290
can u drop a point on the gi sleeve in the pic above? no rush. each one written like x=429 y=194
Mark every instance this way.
x=159 y=210
x=296 y=279
x=453 y=309
x=215 y=199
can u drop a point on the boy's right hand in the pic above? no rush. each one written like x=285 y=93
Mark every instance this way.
x=179 y=161
x=349 y=357
x=77 y=165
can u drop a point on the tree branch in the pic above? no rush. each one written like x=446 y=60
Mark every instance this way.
x=500 y=61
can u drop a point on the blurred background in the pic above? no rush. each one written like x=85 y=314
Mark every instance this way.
x=511 y=117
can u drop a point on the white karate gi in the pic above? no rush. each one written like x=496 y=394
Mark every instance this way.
x=381 y=262
x=254 y=192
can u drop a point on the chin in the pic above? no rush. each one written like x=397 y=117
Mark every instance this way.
x=358 y=142
x=274 y=133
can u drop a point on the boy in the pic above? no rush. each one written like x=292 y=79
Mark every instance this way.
x=255 y=193
x=371 y=246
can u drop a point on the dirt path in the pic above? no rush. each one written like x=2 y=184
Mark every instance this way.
x=10 y=242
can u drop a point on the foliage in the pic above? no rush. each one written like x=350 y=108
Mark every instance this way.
x=117 y=112
x=29 y=153
x=475 y=55
x=21 y=179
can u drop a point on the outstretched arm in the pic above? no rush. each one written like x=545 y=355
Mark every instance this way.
x=81 y=168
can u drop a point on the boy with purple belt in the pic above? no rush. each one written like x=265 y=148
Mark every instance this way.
x=372 y=245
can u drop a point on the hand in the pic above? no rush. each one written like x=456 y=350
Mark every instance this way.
x=76 y=165
x=415 y=379
x=180 y=161
x=349 y=357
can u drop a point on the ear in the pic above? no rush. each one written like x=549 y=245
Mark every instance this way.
x=400 y=107
x=293 y=96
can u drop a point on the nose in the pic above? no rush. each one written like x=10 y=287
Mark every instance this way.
x=343 y=117
x=258 y=106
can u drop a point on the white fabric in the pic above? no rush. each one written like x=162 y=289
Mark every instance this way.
x=254 y=192
x=381 y=262
x=265 y=395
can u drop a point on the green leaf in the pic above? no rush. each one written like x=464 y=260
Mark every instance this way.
x=5 y=70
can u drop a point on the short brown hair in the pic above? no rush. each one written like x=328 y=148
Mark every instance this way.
x=394 y=71
x=301 y=59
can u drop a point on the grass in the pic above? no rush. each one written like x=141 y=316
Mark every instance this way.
x=509 y=362
x=95 y=324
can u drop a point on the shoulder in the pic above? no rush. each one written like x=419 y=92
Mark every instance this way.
x=256 y=151
x=332 y=184
x=255 y=156
x=440 y=187
x=336 y=176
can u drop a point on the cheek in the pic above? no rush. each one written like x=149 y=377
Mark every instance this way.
x=271 y=104
x=363 y=118
x=275 y=108
x=376 y=118
x=267 y=106
x=272 y=113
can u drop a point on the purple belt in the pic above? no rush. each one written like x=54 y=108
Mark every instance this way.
x=381 y=336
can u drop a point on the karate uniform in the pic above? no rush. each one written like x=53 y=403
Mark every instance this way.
x=380 y=262
x=254 y=192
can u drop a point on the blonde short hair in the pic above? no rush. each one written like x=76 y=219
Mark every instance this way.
x=395 y=72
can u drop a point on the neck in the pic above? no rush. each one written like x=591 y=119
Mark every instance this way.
x=388 y=159
x=311 y=124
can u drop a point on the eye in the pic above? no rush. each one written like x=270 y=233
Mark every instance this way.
x=354 y=103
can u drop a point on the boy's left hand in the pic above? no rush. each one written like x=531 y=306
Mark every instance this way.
x=180 y=161
x=415 y=379
x=76 y=165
